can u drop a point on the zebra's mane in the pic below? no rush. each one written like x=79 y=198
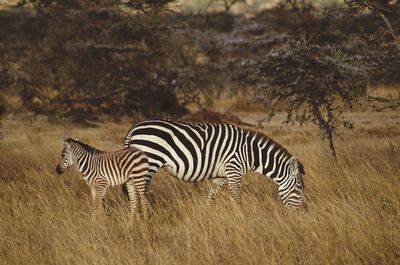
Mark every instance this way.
x=261 y=135
x=258 y=135
x=87 y=147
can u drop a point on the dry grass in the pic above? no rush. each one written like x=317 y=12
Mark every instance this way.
x=353 y=215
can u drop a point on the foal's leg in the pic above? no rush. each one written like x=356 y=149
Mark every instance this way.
x=98 y=190
x=142 y=191
x=141 y=183
x=133 y=197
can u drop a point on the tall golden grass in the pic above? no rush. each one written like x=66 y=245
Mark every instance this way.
x=353 y=215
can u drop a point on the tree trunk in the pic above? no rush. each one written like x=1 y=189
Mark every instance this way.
x=331 y=145
x=326 y=126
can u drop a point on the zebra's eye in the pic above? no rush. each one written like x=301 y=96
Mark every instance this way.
x=64 y=153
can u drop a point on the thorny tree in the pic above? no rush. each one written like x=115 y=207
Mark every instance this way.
x=315 y=83
x=388 y=11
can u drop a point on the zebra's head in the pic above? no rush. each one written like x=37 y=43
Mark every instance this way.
x=67 y=158
x=291 y=189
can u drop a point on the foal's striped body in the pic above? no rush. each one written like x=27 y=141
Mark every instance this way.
x=102 y=169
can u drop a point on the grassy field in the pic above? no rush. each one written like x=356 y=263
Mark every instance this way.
x=353 y=215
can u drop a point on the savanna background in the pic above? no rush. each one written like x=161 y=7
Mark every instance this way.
x=320 y=77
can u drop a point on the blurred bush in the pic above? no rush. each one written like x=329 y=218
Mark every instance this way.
x=84 y=58
x=315 y=83
x=81 y=59
x=5 y=81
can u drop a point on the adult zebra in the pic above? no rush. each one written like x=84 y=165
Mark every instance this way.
x=102 y=169
x=223 y=152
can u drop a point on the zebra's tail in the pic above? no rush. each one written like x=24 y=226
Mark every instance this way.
x=127 y=141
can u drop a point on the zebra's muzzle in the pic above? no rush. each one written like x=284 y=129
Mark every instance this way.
x=59 y=170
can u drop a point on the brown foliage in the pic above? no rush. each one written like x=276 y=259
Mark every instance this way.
x=88 y=58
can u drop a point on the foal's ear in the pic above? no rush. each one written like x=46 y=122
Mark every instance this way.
x=65 y=143
x=294 y=165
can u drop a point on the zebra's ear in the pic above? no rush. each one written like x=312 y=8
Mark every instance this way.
x=294 y=165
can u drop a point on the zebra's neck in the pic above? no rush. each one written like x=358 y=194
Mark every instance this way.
x=270 y=159
x=83 y=159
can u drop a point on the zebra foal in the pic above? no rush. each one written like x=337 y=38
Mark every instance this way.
x=101 y=170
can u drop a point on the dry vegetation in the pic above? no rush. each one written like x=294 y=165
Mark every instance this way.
x=353 y=215
x=80 y=60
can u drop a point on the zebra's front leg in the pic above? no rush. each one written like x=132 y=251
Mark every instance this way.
x=234 y=178
x=133 y=197
x=93 y=196
x=216 y=186
x=98 y=190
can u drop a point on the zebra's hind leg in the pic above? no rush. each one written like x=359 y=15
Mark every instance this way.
x=216 y=186
x=133 y=196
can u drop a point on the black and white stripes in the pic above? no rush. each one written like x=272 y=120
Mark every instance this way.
x=196 y=151
x=101 y=170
